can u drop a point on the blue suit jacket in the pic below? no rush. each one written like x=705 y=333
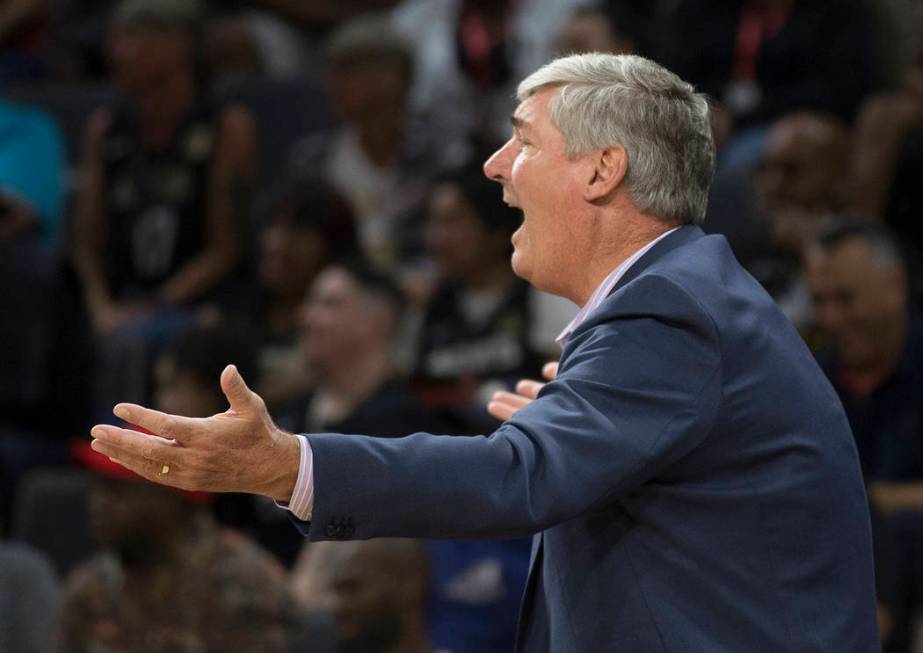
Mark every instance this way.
x=690 y=474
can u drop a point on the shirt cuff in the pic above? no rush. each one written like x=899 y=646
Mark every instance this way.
x=302 y=502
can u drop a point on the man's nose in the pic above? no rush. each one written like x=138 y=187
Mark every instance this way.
x=497 y=167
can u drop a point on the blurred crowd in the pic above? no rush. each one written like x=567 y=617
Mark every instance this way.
x=296 y=188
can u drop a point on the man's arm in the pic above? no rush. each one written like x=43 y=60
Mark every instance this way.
x=637 y=389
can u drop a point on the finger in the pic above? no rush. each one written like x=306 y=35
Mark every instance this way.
x=501 y=411
x=513 y=400
x=240 y=397
x=151 y=470
x=173 y=427
x=125 y=442
x=529 y=388
x=504 y=405
x=550 y=370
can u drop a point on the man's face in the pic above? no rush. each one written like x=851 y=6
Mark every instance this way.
x=857 y=300
x=538 y=178
x=335 y=318
x=366 y=606
x=801 y=165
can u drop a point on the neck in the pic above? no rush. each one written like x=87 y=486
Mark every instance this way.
x=610 y=248
x=355 y=379
x=380 y=135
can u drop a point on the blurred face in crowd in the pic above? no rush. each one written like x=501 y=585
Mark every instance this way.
x=339 y=319
x=357 y=87
x=369 y=599
x=804 y=164
x=290 y=257
x=539 y=178
x=457 y=239
x=859 y=302
x=142 y=58
x=180 y=392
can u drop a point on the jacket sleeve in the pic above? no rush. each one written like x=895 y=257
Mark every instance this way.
x=638 y=388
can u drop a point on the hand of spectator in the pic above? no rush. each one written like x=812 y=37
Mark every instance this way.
x=239 y=450
x=504 y=404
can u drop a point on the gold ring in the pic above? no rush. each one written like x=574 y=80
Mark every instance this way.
x=164 y=469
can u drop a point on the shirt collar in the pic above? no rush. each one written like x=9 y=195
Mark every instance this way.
x=603 y=289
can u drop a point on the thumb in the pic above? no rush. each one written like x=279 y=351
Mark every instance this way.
x=235 y=389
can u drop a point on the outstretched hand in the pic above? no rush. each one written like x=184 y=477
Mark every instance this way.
x=503 y=405
x=239 y=450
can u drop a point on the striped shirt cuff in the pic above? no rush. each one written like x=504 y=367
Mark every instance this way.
x=302 y=502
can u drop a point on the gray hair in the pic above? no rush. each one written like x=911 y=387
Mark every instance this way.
x=663 y=124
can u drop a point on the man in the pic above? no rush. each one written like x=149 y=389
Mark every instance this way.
x=376 y=591
x=689 y=472
x=349 y=323
x=861 y=302
x=859 y=285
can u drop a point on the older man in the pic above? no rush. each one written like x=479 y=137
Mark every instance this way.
x=689 y=472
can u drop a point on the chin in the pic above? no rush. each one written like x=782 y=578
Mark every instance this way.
x=519 y=265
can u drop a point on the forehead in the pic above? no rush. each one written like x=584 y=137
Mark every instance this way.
x=533 y=112
x=849 y=261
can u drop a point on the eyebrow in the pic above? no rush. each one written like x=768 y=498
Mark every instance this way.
x=518 y=123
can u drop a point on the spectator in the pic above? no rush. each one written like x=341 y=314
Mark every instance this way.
x=483 y=327
x=350 y=322
x=187 y=369
x=23 y=40
x=34 y=194
x=888 y=162
x=858 y=282
x=376 y=590
x=379 y=159
x=164 y=191
x=169 y=579
x=763 y=59
x=469 y=54
x=310 y=225
x=800 y=182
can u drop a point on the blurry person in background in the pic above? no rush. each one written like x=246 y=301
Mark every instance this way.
x=184 y=375
x=309 y=226
x=858 y=282
x=379 y=159
x=186 y=370
x=24 y=31
x=168 y=578
x=482 y=328
x=800 y=182
x=165 y=182
x=610 y=27
x=751 y=56
x=470 y=53
x=376 y=589
x=888 y=163
x=350 y=322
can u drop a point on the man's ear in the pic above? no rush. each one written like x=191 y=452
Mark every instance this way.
x=609 y=169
